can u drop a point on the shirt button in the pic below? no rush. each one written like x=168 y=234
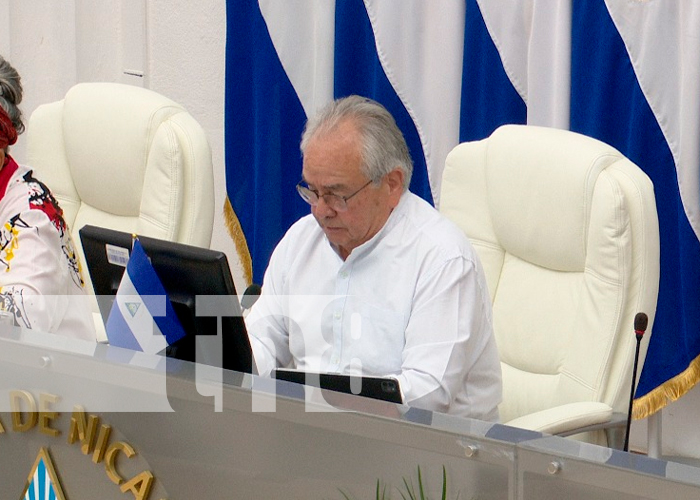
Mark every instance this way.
x=344 y=274
x=336 y=315
x=335 y=360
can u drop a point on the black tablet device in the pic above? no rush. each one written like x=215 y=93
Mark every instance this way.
x=384 y=388
x=186 y=272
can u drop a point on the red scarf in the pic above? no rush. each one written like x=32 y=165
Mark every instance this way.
x=8 y=168
x=8 y=134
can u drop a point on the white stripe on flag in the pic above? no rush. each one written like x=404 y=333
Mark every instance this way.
x=303 y=33
x=661 y=39
x=420 y=46
x=533 y=38
x=139 y=319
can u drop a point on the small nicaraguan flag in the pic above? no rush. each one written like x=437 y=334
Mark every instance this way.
x=142 y=317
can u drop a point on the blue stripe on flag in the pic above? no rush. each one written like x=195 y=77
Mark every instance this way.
x=607 y=103
x=359 y=71
x=489 y=99
x=264 y=120
x=148 y=285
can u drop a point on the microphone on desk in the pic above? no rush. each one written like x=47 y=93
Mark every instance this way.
x=250 y=296
x=640 y=326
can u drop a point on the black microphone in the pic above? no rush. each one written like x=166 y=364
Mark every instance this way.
x=250 y=296
x=640 y=326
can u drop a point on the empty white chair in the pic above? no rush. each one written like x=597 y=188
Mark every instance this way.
x=567 y=231
x=125 y=158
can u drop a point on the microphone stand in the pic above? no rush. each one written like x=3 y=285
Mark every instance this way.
x=639 y=328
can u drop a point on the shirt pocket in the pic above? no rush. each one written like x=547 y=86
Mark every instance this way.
x=376 y=339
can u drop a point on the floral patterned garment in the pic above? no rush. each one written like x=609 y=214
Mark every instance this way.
x=40 y=275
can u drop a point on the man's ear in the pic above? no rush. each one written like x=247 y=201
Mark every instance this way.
x=394 y=180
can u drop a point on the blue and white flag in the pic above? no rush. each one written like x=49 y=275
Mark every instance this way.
x=624 y=72
x=142 y=317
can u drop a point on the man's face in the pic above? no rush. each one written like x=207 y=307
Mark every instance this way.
x=332 y=165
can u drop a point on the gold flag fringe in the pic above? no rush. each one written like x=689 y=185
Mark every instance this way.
x=667 y=392
x=233 y=226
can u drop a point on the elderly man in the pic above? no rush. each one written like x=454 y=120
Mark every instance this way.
x=375 y=281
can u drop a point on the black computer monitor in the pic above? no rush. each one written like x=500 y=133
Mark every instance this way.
x=186 y=272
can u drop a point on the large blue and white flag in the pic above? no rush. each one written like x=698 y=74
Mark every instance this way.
x=624 y=72
x=142 y=317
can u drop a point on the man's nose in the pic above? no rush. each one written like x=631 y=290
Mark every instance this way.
x=322 y=209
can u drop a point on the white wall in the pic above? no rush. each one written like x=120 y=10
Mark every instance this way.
x=179 y=45
x=679 y=436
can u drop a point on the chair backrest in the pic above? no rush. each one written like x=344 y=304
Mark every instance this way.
x=567 y=231
x=125 y=158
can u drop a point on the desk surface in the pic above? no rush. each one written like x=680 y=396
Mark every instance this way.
x=118 y=424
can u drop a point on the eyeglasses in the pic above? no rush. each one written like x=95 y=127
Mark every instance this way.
x=335 y=202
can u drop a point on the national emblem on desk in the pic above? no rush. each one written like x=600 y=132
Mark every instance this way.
x=43 y=483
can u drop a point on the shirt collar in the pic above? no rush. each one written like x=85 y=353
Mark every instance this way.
x=395 y=216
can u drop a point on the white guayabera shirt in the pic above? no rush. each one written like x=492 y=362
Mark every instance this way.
x=412 y=303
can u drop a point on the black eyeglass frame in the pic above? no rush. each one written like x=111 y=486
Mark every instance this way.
x=311 y=196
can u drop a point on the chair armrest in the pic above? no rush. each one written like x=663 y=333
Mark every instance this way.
x=569 y=419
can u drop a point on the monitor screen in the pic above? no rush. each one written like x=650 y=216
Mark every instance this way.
x=186 y=272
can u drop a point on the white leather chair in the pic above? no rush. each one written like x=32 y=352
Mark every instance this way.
x=125 y=158
x=567 y=232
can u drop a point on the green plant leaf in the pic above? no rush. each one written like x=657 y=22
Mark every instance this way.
x=420 y=485
x=444 y=483
x=409 y=489
x=382 y=495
